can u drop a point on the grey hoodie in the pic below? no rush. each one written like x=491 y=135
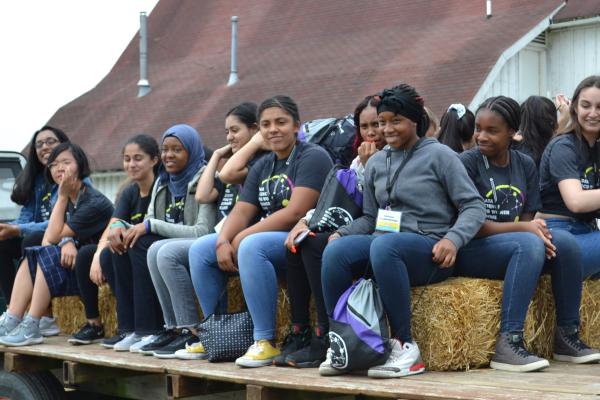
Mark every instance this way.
x=434 y=192
x=198 y=219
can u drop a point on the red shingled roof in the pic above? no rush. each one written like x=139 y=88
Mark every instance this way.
x=576 y=9
x=327 y=55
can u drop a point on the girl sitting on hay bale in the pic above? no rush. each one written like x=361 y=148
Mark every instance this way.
x=570 y=178
x=78 y=218
x=421 y=243
x=281 y=187
x=93 y=264
x=507 y=180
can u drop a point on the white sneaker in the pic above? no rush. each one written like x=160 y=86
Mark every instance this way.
x=126 y=343
x=405 y=359
x=48 y=326
x=135 y=348
x=325 y=369
x=194 y=351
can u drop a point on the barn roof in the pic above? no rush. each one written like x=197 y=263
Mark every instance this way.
x=327 y=55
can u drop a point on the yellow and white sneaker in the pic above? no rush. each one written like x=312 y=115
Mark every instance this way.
x=194 y=351
x=260 y=354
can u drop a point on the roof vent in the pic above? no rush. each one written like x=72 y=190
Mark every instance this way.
x=488 y=8
x=540 y=39
x=233 y=76
x=143 y=84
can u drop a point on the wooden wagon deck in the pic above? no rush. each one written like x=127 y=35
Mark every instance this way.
x=94 y=368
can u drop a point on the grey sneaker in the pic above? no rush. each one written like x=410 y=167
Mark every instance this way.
x=48 y=326
x=127 y=342
x=511 y=355
x=568 y=347
x=8 y=323
x=26 y=333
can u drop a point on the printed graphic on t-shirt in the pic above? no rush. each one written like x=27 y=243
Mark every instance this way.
x=507 y=206
x=588 y=180
x=45 y=206
x=274 y=193
x=174 y=211
x=137 y=218
x=230 y=197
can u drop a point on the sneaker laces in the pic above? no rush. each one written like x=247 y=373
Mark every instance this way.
x=21 y=328
x=256 y=348
x=518 y=346
x=574 y=341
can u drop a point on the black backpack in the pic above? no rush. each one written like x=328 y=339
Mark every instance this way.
x=336 y=135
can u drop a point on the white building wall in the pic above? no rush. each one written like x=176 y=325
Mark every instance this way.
x=573 y=54
x=108 y=183
x=523 y=75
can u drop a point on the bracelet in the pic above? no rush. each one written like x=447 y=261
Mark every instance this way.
x=148 y=226
x=222 y=242
x=66 y=240
x=118 y=224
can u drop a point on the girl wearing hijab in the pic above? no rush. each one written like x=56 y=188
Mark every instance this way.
x=173 y=213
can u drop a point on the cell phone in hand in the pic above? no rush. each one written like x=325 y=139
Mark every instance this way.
x=301 y=237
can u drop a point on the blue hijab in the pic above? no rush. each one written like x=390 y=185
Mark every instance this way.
x=190 y=139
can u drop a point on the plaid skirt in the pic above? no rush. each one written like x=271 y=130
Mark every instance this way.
x=61 y=281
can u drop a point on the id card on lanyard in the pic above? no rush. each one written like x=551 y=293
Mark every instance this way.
x=389 y=220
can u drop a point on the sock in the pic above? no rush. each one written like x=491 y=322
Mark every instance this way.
x=12 y=318
x=34 y=319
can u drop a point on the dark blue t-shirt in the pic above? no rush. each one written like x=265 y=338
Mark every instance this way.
x=567 y=157
x=270 y=182
x=516 y=185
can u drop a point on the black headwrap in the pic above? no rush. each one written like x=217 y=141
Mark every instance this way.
x=401 y=103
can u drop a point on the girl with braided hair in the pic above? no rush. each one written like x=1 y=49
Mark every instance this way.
x=420 y=244
x=507 y=180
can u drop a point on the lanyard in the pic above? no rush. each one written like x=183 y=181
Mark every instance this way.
x=491 y=178
x=288 y=161
x=388 y=161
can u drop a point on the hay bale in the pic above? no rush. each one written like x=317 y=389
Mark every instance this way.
x=590 y=313
x=456 y=322
x=70 y=314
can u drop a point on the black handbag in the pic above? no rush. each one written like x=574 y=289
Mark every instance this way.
x=335 y=207
x=226 y=337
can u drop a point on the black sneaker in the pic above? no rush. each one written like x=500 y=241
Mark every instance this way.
x=569 y=347
x=297 y=339
x=312 y=355
x=168 y=351
x=163 y=339
x=87 y=334
x=110 y=342
x=511 y=355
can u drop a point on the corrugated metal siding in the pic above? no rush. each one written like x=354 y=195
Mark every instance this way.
x=108 y=183
x=573 y=54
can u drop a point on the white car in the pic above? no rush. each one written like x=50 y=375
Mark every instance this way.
x=11 y=163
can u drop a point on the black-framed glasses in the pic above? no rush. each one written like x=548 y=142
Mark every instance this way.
x=50 y=142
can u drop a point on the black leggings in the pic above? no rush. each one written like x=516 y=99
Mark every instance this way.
x=11 y=250
x=138 y=309
x=304 y=277
x=88 y=291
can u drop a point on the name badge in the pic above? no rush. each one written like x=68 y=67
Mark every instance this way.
x=388 y=221
x=220 y=225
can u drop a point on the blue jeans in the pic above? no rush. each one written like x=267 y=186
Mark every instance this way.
x=588 y=238
x=516 y=257
x=399 y=261
x=261 y=257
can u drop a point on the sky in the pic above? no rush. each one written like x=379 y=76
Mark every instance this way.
x=52 y=52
